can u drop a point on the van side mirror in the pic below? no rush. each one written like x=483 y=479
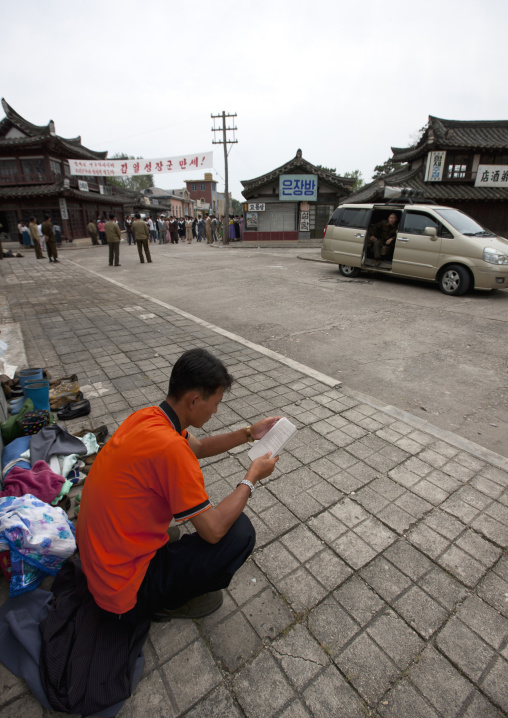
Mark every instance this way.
x=431 y=232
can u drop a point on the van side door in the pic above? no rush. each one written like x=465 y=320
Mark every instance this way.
x=348 y=237
x=416 y=254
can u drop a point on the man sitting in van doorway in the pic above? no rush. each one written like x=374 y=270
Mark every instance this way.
x=382 y=234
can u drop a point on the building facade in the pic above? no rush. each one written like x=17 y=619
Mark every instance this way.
x=207 y=197
x=294 y=201
x=175 y=202
x=35 y=179
x=457 y=163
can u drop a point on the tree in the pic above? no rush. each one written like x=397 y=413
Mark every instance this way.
x=237 y=207
x=135 y=184
x=327 y=169
x=358 y=178
x=387 y=168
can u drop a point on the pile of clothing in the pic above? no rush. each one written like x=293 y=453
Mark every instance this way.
x=38 y=472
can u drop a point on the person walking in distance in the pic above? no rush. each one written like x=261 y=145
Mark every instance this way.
x=49 y=236
x=128 y=229
x=162 y=229
x=113 y=237
x=188 y=230
x=201 y=229
x=92 y=231
x=208 y=229
x=173 y=230
x=34 y=233
x=142 y=236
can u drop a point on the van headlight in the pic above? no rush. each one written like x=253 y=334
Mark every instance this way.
x=493 y=257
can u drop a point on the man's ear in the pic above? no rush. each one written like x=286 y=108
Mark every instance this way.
x=192 y=398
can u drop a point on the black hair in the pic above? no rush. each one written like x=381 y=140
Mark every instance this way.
x=112 y=215
x=199 y=370
x=137 y=215
x=47 y=216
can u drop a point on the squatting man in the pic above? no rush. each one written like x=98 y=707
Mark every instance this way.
x=147 y=474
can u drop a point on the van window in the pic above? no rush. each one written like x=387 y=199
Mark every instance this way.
x=355 y=217
x=415 y=222
x=334 y=219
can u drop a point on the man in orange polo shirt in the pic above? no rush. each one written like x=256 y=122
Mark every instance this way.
x=147 y=474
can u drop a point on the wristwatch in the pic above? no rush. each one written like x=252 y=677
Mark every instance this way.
x=250 y=438
x=249 y=484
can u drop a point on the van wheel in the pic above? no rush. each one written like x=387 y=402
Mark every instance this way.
x=455 y=280
x=348 y=271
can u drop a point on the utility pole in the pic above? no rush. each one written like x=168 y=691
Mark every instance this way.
x=225 y=142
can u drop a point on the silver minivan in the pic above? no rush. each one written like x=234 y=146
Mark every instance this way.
x=434 y=243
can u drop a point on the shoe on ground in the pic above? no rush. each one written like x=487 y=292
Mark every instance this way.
x=74 y=411
x=63 y=389
x=198 y=607
x=100 y=432
x=63 y=380
x=62 y=401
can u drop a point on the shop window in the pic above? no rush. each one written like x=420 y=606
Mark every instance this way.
x=494 y=159
x=457 y=165
x=56 y=167
x=33 y=168
x=8 y=169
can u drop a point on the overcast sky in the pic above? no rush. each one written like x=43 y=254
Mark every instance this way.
x=343 y=81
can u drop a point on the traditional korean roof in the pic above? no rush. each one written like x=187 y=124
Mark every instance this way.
x=297 y=165
x=37 y=135
x=440 y=192
x=58 y=189
x=456 y=135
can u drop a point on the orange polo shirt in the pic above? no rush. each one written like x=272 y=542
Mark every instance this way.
x=145 y=475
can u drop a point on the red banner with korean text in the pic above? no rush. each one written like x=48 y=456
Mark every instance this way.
x=128 y=168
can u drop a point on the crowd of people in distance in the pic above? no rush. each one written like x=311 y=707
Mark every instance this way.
x=27 y=233
x=170 y=229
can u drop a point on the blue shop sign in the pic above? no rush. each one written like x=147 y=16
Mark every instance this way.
x=298 y=187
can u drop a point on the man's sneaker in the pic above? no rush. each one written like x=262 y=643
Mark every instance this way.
x=64 y=389
x=198 y=607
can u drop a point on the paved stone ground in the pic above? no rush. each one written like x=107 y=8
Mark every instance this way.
x=379 y=583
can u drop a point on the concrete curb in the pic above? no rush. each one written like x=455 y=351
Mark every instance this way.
x=414 y=421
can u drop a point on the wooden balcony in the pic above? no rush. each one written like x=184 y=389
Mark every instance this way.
x=35 y=178
x=29 y=178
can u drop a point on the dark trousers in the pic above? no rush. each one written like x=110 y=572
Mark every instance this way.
x=51 y=249
x=190 y=567
x=130 y=238
x=114 y=253
x=143 y=244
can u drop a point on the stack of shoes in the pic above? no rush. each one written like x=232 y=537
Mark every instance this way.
x=64 y=391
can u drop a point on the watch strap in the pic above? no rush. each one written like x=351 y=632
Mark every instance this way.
x=249 y=484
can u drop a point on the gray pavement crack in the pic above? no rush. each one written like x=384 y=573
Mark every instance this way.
x=301 y=658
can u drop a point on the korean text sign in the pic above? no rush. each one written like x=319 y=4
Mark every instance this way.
x=435 y=166
x=129 y=168
x=294 y=188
